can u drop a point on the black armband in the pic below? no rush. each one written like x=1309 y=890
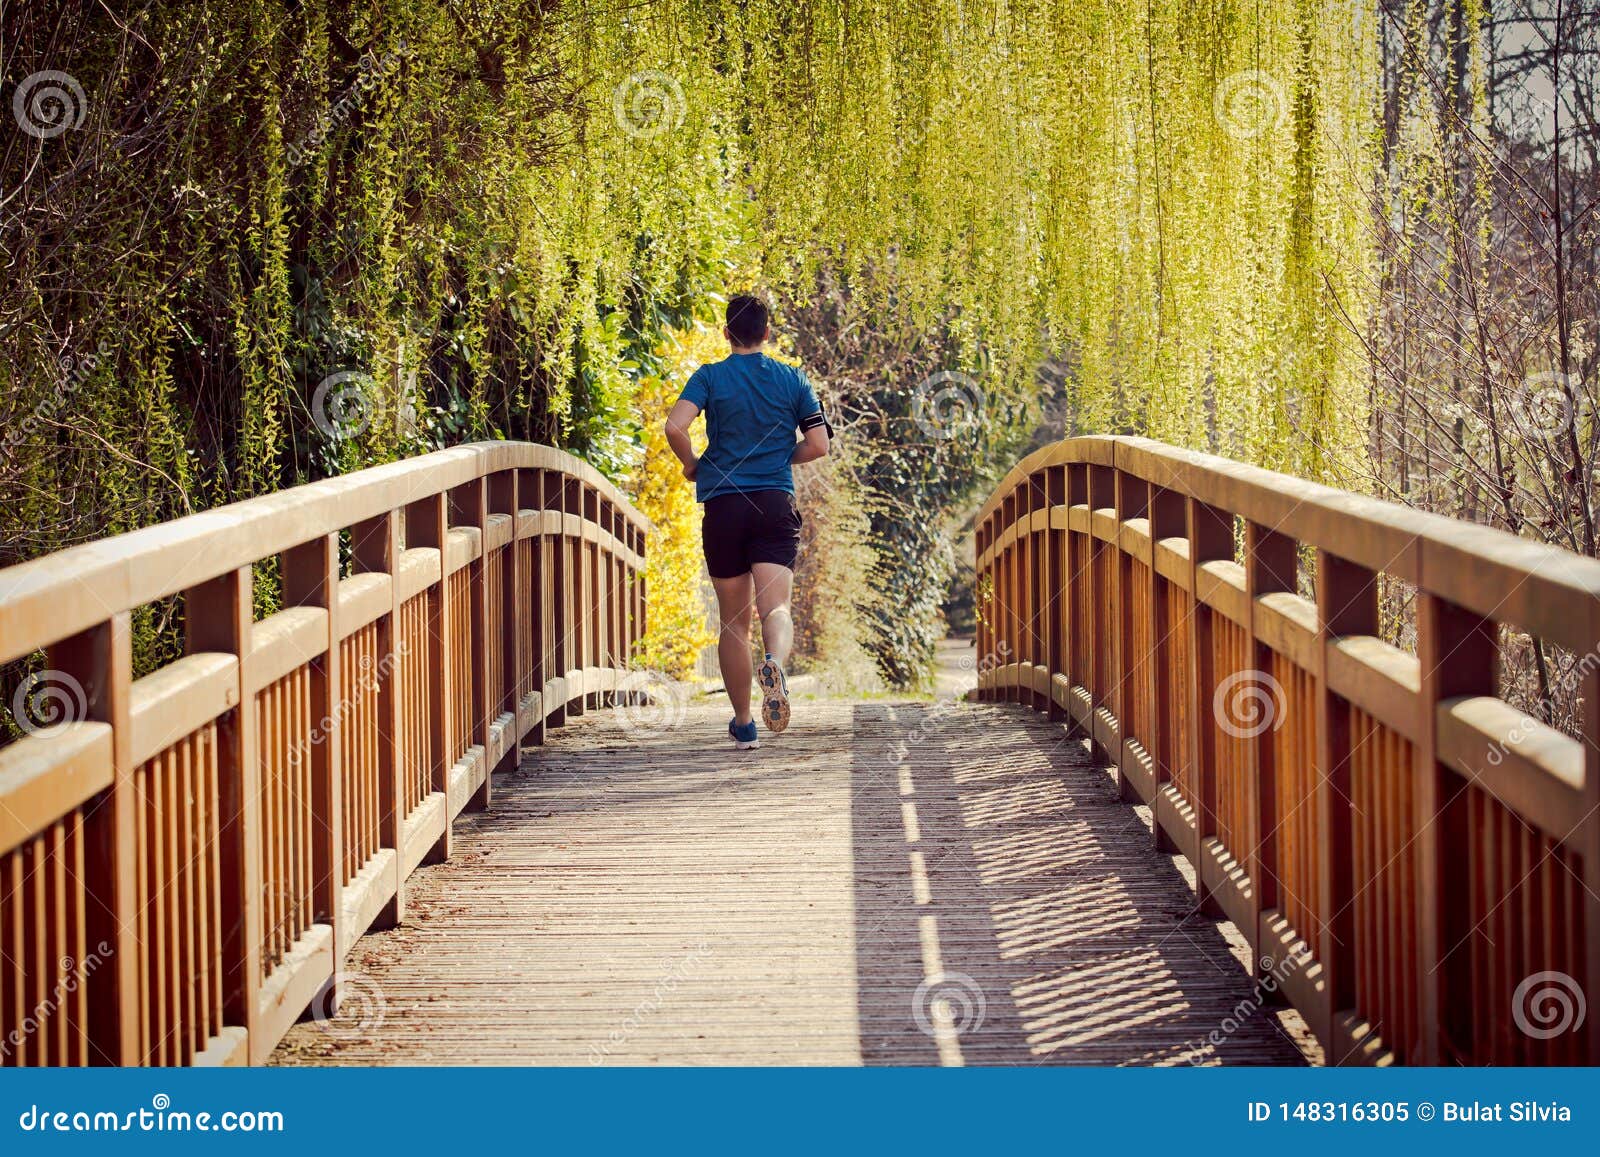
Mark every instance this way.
x=811 y=422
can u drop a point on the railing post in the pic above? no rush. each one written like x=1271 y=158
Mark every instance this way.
x=1347 y=604
x=1458 y=654
x=427 y=527
x=980 y=606
x=1210 y=540
x=1104 y=619
x=101 y=662
x=636 y=575
x=999 y=604
x=619 y=593
x=1080 y=558
x=218 y=616
x=606 y=593
x=535 y=593
x=1055 y=497
x=558 y=623
x=375 y=548
x=576 y=620
x=588 y=594
x=1132 y=502
x=469 y=506
x=1013 y=597
x=1030 y=494
x=1168 y=519
x=504 y=488
x=311 y=579
x=1271 y=565
x=1585 y=839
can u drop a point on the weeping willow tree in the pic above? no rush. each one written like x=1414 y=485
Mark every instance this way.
x=258 y=242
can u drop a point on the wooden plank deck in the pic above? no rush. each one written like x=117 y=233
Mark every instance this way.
x=663 y=899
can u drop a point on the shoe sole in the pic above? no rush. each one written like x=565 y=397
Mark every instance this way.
x=774 y=697
x=741 y=745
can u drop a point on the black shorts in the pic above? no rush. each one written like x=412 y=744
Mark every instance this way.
x=741 y=529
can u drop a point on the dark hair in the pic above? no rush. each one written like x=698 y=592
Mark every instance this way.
x=747 y=320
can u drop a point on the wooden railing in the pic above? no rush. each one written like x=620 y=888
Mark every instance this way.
x=187 y=858
x=1415 y=863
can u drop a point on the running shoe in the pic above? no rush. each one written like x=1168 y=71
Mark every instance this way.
x=774 y=695
x=746 y=737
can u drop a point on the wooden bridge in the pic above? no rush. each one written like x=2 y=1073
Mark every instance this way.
x=355 y=812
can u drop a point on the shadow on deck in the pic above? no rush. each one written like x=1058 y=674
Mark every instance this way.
x=888 y=883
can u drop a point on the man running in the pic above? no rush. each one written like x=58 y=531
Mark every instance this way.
x=751 y=531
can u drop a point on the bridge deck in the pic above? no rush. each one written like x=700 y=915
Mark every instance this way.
x=663 y=899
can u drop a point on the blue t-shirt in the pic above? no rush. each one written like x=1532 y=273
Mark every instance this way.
x=753 y=406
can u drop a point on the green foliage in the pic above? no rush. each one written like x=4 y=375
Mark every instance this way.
x=298 y=238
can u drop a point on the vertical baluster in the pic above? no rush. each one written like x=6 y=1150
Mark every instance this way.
x=37 y=967
x=189 y=899
x=60 y=957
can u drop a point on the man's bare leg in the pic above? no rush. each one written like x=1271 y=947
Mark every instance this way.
x=774 y=587
x=774 y=584
x=733 y=642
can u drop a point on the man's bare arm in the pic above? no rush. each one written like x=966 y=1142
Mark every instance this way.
x=679 y=419
x=812 y=445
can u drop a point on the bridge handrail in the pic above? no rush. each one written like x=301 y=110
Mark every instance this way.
x=1403 y=844
x=186 y=859
x=60 y=594
x=1530 y=585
